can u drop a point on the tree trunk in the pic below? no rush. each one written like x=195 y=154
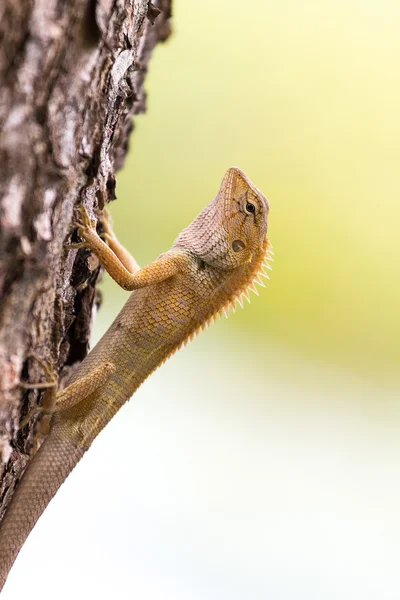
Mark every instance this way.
x=71 y=77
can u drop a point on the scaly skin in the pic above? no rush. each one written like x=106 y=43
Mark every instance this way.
x=211 y=264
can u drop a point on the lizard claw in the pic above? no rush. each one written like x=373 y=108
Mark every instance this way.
x=51 y=384
x=84 y=222
x=48 y=369
x=76 y=246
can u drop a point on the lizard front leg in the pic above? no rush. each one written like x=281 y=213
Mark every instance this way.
x=167 y=265
x=119 y=250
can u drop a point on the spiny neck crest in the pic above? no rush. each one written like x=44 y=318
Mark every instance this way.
x=237 y=288
x=246 y=278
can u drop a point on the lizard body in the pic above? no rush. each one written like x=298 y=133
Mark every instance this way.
x=211 y=264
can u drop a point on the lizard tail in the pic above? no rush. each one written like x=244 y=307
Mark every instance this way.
x=42 y=478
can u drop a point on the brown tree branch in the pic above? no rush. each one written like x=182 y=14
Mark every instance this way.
x=71 y=77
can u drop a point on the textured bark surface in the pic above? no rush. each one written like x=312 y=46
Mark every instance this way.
x=71 y=76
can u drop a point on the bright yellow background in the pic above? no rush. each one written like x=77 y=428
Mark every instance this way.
x=263 y=461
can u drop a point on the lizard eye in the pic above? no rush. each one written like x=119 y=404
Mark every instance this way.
x=250 y=208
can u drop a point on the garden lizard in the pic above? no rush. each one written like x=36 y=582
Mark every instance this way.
x=210 y=266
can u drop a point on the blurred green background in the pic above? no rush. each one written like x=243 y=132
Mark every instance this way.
x=263 y=460
x=305 y=98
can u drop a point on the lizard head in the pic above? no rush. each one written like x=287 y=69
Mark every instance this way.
x=245 y=216
x=231 y=230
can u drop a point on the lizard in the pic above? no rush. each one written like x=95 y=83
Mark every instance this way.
x=210 y=266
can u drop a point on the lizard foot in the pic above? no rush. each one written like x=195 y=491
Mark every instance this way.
x=33 y=412
x=42 y=385
x=83 y=223
x=50 y=385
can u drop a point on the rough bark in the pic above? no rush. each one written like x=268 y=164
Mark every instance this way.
x=71 y=77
